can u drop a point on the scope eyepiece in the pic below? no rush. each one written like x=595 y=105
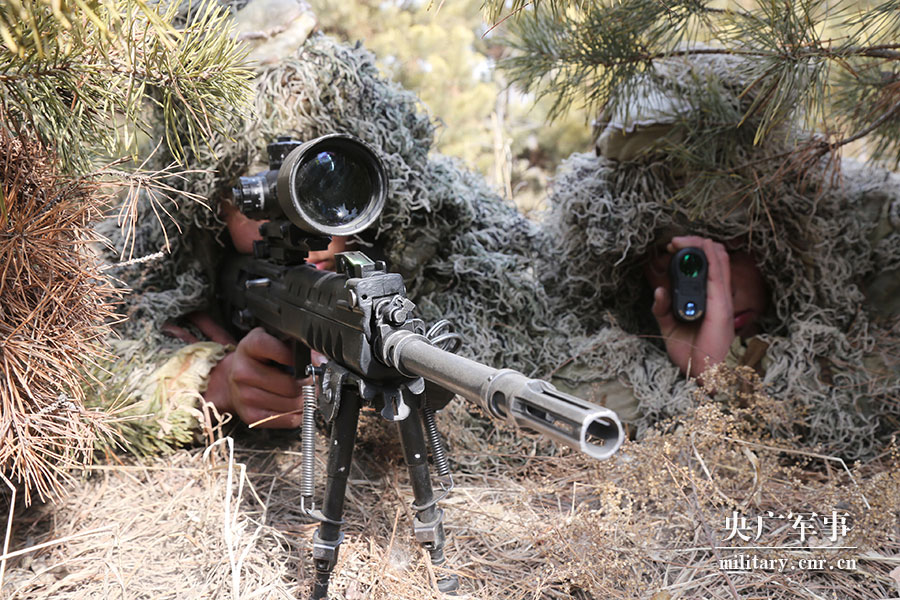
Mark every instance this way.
x=253 y=194
x=687 y=275
x=332 y=185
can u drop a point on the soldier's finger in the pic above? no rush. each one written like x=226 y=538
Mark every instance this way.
x=270 y=379
x=662 y=310
x=686 y=241
x=210 y=328
x=173 y=330
x=725 y=264
x=718 y=285
x=661 y=302
x=713 y=259
x=248 y=371
x=256 y=398
x=261 y=346
x=317 y=358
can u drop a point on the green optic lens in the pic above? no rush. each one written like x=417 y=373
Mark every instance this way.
x=690 y=265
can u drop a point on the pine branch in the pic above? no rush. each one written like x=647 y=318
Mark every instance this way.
x=827 y=65
x=589 y=53
x=95 y=70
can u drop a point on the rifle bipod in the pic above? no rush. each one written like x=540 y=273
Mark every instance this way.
x=343 y=399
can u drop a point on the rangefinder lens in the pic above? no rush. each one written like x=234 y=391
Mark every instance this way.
x=687 y=277
x=332 y=188
x=691 y=265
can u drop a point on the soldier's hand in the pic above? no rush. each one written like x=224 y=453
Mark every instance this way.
x=248 y=384
x=694 y=346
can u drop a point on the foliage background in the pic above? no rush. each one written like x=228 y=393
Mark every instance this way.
x=79 y=84
x=517 y=85
x=446 y=53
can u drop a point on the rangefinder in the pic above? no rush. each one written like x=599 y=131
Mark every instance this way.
x=687 y=273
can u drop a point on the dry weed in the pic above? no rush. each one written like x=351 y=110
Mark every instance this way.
x=525 y=521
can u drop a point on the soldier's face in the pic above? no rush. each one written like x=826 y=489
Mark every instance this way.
x=749 y=294
x=244 y=231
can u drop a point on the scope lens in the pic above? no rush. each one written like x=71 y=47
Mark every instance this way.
x=333 y=188
x=690 y=265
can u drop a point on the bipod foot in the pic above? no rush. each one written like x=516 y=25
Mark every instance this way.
x=448 y=585
x=428 y=520
x=431 y=537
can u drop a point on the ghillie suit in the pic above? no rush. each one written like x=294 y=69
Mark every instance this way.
x=825 y=234
x=565 y=309
x=464 y=253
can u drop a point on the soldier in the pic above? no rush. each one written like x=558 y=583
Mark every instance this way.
x=442 y=229
x=800 y=261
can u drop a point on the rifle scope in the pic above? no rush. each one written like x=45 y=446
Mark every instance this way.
x=332 y=185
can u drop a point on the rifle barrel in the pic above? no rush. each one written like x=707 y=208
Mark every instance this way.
x=508 y=394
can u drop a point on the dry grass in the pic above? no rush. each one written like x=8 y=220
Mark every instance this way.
x=54 y=314
x=522 y=523
x=57 y=303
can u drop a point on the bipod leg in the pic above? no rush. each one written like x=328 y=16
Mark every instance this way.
x=428 y=522
x=328 y=536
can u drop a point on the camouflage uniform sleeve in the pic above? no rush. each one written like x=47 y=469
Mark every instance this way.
x=159 y=401
x=169 y=400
